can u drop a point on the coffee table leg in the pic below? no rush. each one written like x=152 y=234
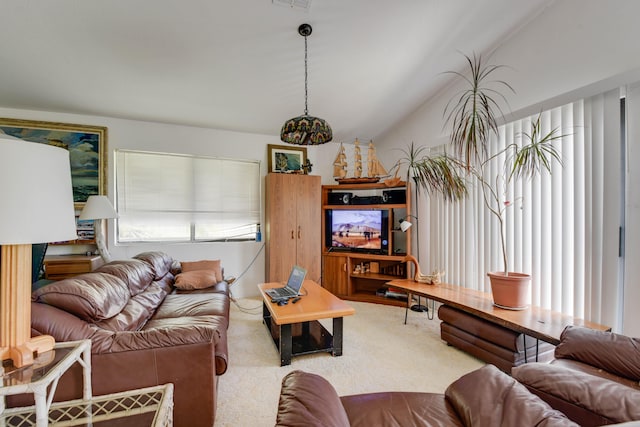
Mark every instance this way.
x=286 y=345
x=337 y=336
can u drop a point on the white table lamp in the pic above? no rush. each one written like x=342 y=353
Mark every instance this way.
x=36 y=207
x=99 y=208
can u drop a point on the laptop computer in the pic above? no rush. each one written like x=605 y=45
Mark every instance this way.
x=292 y=287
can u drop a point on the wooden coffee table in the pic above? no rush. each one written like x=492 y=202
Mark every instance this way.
x=295 y=328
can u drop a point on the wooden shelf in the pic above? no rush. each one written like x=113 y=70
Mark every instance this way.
x=373 y=298
x=365 y=256
x=75 y=242
x=375 y=276
x=373 y=206
x=368 y=186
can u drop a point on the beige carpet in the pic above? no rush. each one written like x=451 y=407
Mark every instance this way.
x=381 y=353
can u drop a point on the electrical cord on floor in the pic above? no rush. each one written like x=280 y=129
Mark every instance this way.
x=250 y=310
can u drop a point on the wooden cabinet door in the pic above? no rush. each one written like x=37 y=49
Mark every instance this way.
x=336 y=275
x=280 y=216
x=293 y=227
x=309 y=226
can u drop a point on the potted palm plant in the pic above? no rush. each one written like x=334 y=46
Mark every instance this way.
x=473 y=116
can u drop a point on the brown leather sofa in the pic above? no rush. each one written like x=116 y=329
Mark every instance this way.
x=143 y=332
x=485 y=397
x=490 y=342
x=594 y=378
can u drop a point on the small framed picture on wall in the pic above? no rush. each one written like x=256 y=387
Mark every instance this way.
x=286 y=159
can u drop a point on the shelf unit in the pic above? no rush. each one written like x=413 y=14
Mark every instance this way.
x=361 y=276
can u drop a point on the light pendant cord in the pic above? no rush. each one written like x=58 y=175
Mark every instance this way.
x=306 y=107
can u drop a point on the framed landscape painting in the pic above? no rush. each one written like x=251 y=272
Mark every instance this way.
x=87 y=146
x=283 y=158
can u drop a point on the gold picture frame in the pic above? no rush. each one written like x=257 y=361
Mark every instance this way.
x=286 y=158
x=87 y=147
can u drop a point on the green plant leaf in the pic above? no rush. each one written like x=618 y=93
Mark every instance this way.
x=473 y=112
x=537 y=154
x=441 y=175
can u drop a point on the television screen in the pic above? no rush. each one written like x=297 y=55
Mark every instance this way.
x=358 y=229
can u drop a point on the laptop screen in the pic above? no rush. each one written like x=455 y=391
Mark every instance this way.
x=296 y=278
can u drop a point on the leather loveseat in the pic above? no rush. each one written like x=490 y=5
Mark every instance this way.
x=486 y=397
x=594 y=378
x=143 y=332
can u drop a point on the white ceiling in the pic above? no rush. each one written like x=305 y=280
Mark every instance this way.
x=239 y=64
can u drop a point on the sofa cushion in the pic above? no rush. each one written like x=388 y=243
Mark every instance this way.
x=598 y=372
x=400 y=408
x=309 y=400
x=604 y=398
x=135 y=273
x=489 y=397
x=214 y=265
x=92 y=296
x=160 y=263
x=132 y=318
x=198 y=279
x=611 y=352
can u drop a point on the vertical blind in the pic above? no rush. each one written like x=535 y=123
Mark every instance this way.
x=562 y=228
x=173 y=197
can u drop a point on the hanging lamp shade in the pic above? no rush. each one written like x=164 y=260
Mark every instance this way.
x=306 y=129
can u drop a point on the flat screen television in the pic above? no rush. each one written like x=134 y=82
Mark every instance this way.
x=357 y=230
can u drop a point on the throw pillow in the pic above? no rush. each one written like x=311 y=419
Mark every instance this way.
x=197 y=279
x=203 y=265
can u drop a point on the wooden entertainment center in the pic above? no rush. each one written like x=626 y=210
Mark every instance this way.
x=360 y=274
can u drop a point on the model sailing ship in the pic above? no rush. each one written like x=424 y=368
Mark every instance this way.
x=375 y=170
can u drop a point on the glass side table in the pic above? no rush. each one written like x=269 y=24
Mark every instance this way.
x=44 y=374
x=152 y=406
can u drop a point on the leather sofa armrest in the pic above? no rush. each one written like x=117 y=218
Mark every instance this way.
x=581 y=392
x=309 y=400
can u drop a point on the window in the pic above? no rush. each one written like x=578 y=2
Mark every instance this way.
x=564 y=233
x=181 y=198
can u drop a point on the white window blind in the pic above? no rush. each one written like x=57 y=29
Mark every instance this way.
x=563 y=229
x=173 y=197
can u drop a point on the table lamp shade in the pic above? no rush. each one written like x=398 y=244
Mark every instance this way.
x=36 y=206
x=36 y=193
x=98 y=207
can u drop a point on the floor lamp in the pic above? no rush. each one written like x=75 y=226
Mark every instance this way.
x=99 y=208
x=36 y=207
x=416 y=307
x=405 y=225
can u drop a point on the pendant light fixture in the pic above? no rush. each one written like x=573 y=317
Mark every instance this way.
x=306 y=129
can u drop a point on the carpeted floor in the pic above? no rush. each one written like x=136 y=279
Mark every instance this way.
x=381 y=353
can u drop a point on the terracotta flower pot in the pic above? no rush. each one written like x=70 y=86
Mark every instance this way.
x=512 y=291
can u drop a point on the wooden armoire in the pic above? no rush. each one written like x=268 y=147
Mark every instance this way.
x=293 y=225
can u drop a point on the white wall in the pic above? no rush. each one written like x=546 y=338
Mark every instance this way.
x=237 y=256
x=574 y=48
